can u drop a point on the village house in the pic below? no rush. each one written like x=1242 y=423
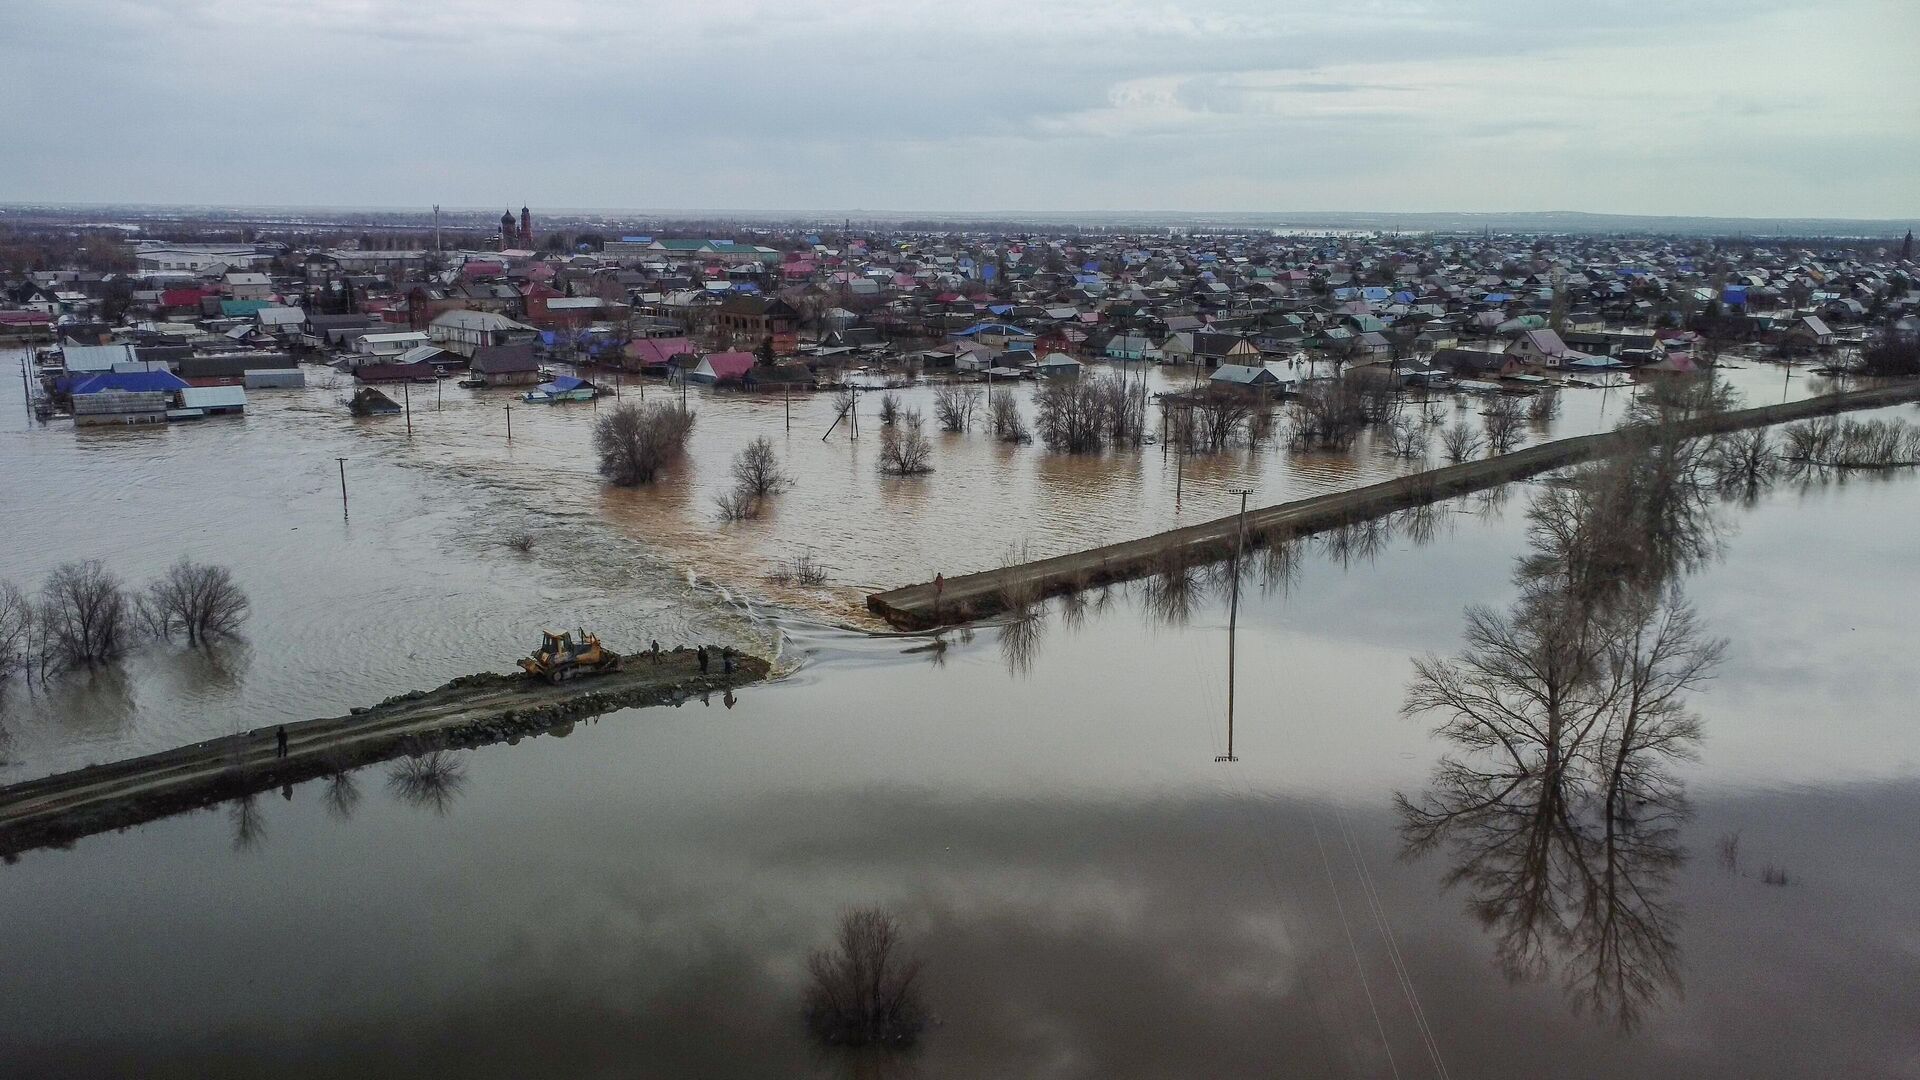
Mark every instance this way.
x=750 y=320
x=505 y=365
x=239 y=285
x=463 y=332
x=722 y=367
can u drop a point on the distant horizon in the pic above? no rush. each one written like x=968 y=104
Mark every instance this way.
x=1136 y=217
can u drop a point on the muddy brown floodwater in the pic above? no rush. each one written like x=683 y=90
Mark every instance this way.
x=1091 y=892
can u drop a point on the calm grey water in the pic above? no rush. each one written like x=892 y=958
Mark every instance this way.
x=1092 y=893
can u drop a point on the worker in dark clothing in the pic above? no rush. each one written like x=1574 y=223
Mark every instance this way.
x=656 y=650
x=703 y=659
x=280 y=742
x=726 y=660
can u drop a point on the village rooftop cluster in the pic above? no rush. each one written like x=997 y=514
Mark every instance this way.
x=150 y=330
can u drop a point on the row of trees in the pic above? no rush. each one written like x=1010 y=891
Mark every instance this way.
x=84 y=616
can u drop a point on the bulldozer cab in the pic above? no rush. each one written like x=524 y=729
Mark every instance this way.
x=552 y=644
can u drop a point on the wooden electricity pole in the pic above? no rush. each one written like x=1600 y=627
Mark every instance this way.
x=1233 y=613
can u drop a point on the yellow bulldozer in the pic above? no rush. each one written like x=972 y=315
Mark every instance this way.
x=559 y=657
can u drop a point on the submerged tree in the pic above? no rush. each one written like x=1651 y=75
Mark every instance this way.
x=862 y=991
x=84 y=615
x=1009 y=426
x=200 y=600
x=636 y=443
x=954 y=405
x=16 y=627
x=904 y=449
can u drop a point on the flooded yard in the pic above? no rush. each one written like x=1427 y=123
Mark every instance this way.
x=1040 y=804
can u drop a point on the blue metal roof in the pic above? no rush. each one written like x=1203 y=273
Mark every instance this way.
x=132 y=381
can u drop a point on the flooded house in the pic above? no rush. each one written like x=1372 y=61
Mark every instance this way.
x=505 y=365
x=722 y=367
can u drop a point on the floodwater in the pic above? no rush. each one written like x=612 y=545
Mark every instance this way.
x=1091 y=891
x=417 y=583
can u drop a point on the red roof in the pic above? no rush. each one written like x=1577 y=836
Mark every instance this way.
x=181 y=298
x=477 y=268
x=730 y=365
x=654 y=351
x=24 y=318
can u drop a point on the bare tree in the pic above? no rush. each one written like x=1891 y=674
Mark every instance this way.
x=737 y=505
x=889 y=408
x=862 y=990
x=16 y=627
x=1503 y=423
x=84 y=614
x=954 y=405
x=1327 y=416
x=636 y=443
x=1071 y=415
x=1460 y=442
x=756 y=470
x=1124 y=412
x=197 y=599
x=1215 y=418
x=1008 y=424
x=904 y=449
x=1406 y=438
x=1545 y=405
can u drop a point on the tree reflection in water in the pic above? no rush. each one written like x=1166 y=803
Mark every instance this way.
x=341 y=794
x=249 y=825
x=431 y=779
x=1557 y=806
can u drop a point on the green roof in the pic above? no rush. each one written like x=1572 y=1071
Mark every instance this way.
x=234 y=309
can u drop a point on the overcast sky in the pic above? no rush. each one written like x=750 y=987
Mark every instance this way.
x=1713 y=107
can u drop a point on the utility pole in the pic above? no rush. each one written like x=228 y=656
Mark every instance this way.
x=509 y=423
x=1233 y=612
x=343 y=487
x=406 y=394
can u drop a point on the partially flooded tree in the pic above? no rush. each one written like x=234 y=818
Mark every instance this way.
x=1460 y=442
x=84 y=615
x=1503 y=423
x=198 y=600
x=954 y=405
x=1070 y=416
x=904 y=449
x=1544 y=406
x=756 y=470
x=1680 y=397
x=16 y=627
x=1008 y=424
x=1406 y=437
x=889 y=408
x=636 y=443
x=863 y=990
x=1327 y=416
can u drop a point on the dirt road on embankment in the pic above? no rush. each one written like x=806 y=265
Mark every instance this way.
x=967 y=597
x=469 y=711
